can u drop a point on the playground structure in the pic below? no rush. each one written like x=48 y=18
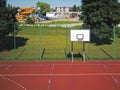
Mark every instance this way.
x=35 y=14
x=23 y=13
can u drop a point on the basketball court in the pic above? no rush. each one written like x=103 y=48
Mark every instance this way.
x=60 y=75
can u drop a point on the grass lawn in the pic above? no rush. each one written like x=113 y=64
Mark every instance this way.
x=55 y=43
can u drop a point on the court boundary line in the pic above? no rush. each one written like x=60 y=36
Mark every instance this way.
x=70 y=64
x=4 y=77
x=6 y=68
x=112 y=76
x=14 y=82
x=82 y=74
x=50 y=80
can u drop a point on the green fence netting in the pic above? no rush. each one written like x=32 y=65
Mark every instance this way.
x=52 y=43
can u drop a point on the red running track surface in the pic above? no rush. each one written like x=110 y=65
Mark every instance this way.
x=60 y=75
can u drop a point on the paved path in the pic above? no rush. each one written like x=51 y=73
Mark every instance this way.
x=56 y=25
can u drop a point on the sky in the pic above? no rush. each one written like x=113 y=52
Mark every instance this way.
x=53 y=3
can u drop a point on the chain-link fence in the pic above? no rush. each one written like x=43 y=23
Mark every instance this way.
x=53 y=43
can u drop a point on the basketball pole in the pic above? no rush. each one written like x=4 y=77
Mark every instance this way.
x=72 y=51
x=83 y=51
x=80 y=35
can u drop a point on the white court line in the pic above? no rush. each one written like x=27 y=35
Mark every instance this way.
x=50 y=80
x=3 y=65
x=4 y=77
x=8 y=66
x=69 y=64
x=112 y=76
x=30 y=65
x=13 y=82
x=84 y=74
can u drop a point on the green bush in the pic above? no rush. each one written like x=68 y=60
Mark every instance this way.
x=30 y=20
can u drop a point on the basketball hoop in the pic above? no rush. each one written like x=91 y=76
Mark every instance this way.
x=80 y=37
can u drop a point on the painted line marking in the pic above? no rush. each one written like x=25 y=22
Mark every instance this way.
x=8 y=66
x=14 y=82
x=112 y=76
x=40 y=65
x=86 y=74
x=50 y=80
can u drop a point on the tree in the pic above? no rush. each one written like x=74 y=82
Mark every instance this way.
x=7 y=20
x=100 y=16
x=79 y=8
x=2 y=3
x=44 y=7
x=74 y=9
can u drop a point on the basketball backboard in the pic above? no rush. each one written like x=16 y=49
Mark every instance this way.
x=80 y=35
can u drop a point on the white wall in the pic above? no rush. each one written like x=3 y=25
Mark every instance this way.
x=50 y=14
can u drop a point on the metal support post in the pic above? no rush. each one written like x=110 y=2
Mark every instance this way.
x=72 y=57
x=83 y=52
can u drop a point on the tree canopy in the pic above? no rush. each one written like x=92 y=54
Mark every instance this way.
x=2 y=3
x=76 y=8
x=44 y=7
x=100 y=16
x=7 y=20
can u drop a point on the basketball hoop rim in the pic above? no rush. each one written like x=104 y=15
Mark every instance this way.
x=80 y=39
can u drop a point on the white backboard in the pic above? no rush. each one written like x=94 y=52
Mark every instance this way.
x=80 y=35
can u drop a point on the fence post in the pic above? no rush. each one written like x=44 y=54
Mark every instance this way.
x=14 y=35
x=40 y=30
x=66 y=44
x=114 y=43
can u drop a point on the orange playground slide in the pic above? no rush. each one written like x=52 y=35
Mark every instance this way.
x=23 y=12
